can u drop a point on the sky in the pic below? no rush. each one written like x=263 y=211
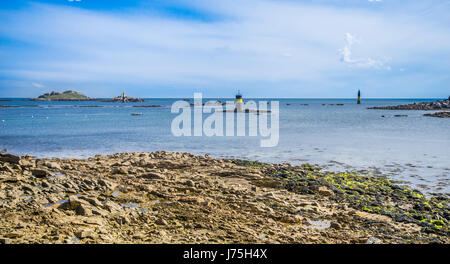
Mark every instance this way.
x=264 y=48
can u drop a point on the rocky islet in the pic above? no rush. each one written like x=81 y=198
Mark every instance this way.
x=439 y=114
x=435 y=105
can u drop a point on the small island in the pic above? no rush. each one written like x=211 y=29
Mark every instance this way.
x=77 y=96
x=64 y=96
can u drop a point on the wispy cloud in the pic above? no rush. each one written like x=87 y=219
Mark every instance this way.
x=346 y=56
x=37 y=85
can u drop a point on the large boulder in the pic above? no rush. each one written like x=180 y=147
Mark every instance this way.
x=9 y=158
x=40 y=173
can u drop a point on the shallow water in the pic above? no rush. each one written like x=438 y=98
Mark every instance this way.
x=319 y=225
x=414 y=149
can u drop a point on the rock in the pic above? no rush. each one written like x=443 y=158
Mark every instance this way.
x=146 y=105
x=45 y=184
x=120 y=170
x=98 y=221
x=52 y=165
x=83 y=210
x=168 y=164
x=151 y=175
x=93 y=201
x=125 y=99
x=4 y=240
x=290 y=219
x=323 y=190
x=27 y=163
x=190 y=183
x=161 y=221
x=98 y=211
x=112 y=207
x=9 y=158
x=41 y=200
x=40 y=173
x=7 y=169
x=194 y=200
x=270 y=195
x=86 y=233
x=335 y=225
x=109 y=185
x=144 y=187
x=436 y=105
x=29 y=189
x=439 y=114
x=74 y=202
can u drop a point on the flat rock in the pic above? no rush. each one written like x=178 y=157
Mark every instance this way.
x=9 y=158
x=40 y=173
x=151 y=175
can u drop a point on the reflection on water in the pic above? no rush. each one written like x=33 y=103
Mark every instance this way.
x=319 y=225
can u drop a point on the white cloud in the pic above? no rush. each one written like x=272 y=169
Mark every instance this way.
x=37 y=85
x=346 y=56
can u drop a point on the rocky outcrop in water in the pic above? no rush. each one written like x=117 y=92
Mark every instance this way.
x=150 y=106
x=165 y=197
x=126 y=99
x=439 y=114
x=437 y=105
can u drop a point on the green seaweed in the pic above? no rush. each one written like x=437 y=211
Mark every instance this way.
x=366 y=192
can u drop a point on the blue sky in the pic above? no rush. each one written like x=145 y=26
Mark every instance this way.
x=265 y=48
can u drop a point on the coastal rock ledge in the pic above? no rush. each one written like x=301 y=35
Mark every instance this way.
x=166 y=197
x=439 y=114
x=436 y=105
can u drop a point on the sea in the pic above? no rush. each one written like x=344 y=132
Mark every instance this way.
x=336 y=134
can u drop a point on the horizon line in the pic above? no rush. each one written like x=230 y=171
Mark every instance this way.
x=215 y=97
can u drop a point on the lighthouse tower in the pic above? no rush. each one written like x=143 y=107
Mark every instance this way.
x=238 y=102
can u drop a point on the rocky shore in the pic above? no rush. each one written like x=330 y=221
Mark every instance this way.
x=165 y=197
x=439 y=114
x=436 y=105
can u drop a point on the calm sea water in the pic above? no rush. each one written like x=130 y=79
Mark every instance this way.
x=415 y=149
